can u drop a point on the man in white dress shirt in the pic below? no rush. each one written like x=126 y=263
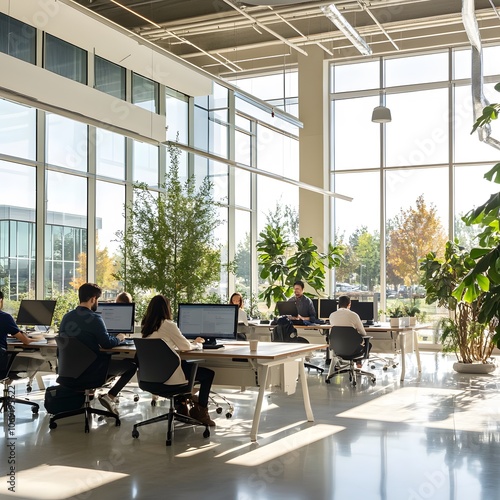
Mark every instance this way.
x=343 y=316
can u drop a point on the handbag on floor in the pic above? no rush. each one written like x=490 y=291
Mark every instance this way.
x=59 y=399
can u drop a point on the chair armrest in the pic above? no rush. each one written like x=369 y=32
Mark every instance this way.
x=366 y=340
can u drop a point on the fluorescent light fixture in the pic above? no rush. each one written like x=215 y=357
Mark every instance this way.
x=332 y=13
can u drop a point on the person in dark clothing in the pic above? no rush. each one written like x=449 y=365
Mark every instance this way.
x=89 y=328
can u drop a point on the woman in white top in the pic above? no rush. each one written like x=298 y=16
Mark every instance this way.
x=157 y=324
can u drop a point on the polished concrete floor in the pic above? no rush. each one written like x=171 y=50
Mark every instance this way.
x=435 y=436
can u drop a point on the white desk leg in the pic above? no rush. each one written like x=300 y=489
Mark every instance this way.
x=39 y=381
x=402 y=344
x=305 y=391
x=264 y=370
x=417 y=350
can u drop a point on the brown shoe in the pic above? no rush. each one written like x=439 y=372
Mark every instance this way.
x=182 y=409
x=200 y=413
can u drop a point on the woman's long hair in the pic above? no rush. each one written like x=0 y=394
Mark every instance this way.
x=240 y=299
x=157 y=312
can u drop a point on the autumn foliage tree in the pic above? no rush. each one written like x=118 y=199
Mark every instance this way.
x=412 y=234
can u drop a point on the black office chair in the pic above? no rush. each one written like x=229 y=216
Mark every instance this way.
x=345 y=342
x=82 y=370
x=284 y=331
x=6 y=360
x=157 y=362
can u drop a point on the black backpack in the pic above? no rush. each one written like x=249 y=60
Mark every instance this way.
x=284 y=331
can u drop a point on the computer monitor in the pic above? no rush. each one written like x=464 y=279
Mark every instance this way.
x=365 y=310
x=316 y=307
x=287 y=308
x=327 y=307
x=211 y=322
x=36 y=312
x=118 y=317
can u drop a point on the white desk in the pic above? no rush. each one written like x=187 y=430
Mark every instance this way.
x=254 y=369
x=385 y=338
x=236 y=365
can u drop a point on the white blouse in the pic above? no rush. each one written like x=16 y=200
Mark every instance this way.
x=170 y=333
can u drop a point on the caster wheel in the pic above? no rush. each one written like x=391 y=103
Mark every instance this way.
x=34 y=410
x=327 y=380
x=372 y=367
x=218 y=410
x=52 y=425
x=385 y=368
x=354 y=383
x=118 y=423
x=135 y=433
x=87 y=430
x=374 y=380
x=394 y=366
x=153 y=402
x=136 y=398
x=229 y=415
x=206 y=433
x=29 y=389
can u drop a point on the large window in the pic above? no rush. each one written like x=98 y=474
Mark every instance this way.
x=65 y=59
x=17 y=230
x=17 y=130
x=66 y=142
x=411 y=161
x=17 y=39
x=145 y=93
x=109 y=77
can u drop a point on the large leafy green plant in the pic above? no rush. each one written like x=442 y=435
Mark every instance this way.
x=282 y=263
x=462 y=332
x=483 y=279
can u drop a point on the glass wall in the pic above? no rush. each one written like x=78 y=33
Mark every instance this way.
x=425 y=164
x=80 y=176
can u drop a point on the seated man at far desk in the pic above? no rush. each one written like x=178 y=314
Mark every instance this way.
x=343 y=316
x=305 y=306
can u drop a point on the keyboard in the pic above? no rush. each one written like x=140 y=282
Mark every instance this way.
x=127 y=342
x=212 y=346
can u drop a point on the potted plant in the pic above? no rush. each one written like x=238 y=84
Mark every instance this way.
x=411 y=310
x=396 y=315
x=462 y=332
x=283 y=262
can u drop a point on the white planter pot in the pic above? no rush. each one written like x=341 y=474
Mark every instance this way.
x=395 y=322
x=476 y=368
x=413 y=320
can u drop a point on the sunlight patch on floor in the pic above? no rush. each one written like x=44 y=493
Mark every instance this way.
x=285 y=445
x=58 y=482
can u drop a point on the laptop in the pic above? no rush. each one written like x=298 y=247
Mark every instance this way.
x=287 y=308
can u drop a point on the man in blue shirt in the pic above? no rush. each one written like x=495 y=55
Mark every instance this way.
x=89 y=328
x=9 y=327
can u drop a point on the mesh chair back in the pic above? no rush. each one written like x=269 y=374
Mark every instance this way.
x=157 y=361
x=346 y=342
x=78 y=366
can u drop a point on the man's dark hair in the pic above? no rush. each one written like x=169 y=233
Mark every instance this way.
x=300 y=283
x=1 y=295
x=89 y=290
x=344 y=301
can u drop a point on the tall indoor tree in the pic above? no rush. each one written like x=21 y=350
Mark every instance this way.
x=169 y=245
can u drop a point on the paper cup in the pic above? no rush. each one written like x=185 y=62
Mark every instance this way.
x=253 y=344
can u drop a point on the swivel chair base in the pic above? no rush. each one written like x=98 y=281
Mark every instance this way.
x=351 y=369
x=7 y=401
x=86 y=410
x=170 y=417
